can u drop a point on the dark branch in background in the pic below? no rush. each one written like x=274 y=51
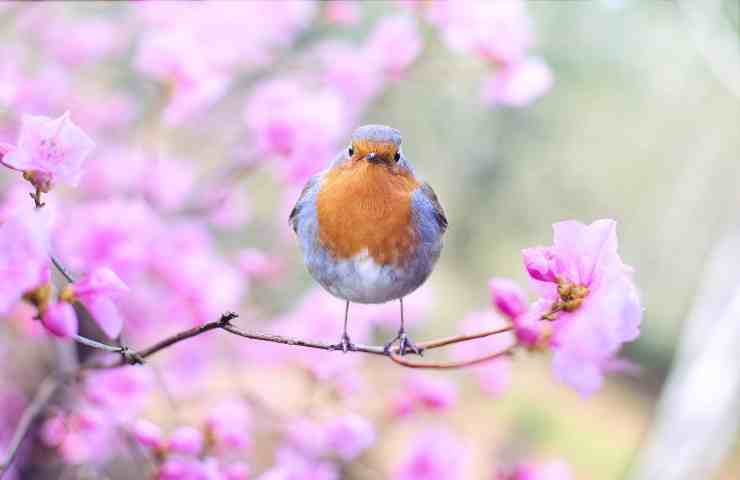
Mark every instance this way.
x=37 y=406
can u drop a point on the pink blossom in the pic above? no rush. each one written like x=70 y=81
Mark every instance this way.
x=122 y=392
x=54 y=430
x=179 y=60
x=350 y=70
x=394 y=44
x=433 y=455
x=82 y=41
x=281 y=118
x=97 y=292
x=508 y=297
x=342 y=12
x=434 y=393
x=60 y=319
x=229 y=425
x=402 y=405
x=553 y=470
x=518 y=84
x=258 y=265
x=307 y=436
x=292 y=465
x=498 y=31
x=101 y=281
x=236 y=471
x=196 y=50
x=24 y=260
x=186 y=440
x=598 y=302
x=148 y=434
x=350 y=435
x=84 y=436
x=540 y=263
x=50 y=149
x=186 y=468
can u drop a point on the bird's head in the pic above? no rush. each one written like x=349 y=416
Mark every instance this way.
x=378 y=145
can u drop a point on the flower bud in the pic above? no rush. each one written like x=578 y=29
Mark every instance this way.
x=508 y=297
x=540 y=263
x=60 y=319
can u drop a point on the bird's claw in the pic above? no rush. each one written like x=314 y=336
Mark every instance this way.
x=345 y=344
x=405 y=345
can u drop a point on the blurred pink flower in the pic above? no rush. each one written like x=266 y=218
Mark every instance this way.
x=181 y=62
x=307 y=436
x=260 y=266
x=292 y=465
x=517 y=84
x=84 y=436
x=229 y=425
x=282 y=116
x=236 y=471
x=120 y=392
x=80 y=41
x=24 y=260
x=433 y=393
x=553 y=470
x=53 y=430
x=433 y=455
x=167 y=182
x=148 y=434
x=349 y=436
x=508 y=297
x=499 y=31
x=393 y=45
x=185 y=440
x=599 y=306
x=60 y=319
x=188 y=468
x=350 y=71
x=97 y=291
x=50 y=150
x=196 y=50
x=494 y=377
x=342 y=12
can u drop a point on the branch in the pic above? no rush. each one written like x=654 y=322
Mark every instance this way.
x=129 y=356
x=43 y=396
x=451 y=365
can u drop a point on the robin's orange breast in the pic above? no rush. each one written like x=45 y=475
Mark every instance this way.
x=364 y=206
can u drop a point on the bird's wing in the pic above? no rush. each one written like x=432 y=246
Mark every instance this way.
x=437 y=211
x=293 y=218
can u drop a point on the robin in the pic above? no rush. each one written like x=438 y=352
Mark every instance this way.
x=370 y=231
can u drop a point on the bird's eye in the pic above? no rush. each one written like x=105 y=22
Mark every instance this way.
x=351 y=151
x=397 y=156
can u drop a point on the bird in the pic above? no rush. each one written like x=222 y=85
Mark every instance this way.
x=370 y=231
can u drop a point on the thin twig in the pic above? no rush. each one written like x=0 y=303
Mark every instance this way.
x=43 y=396
x=450 y=365
x=95 y=344
x=463 y=338
x=266 y=337
x=61 y=269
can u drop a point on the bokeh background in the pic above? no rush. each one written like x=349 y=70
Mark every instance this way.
x=639 y=124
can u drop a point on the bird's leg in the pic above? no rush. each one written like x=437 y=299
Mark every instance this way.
x=405 y=344
x=345 y=343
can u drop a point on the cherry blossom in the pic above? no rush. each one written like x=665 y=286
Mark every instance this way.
x=49 y=150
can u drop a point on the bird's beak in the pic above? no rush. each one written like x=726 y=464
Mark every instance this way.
x=373 y=157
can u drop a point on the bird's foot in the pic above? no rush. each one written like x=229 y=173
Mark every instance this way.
x=345 y=344
x=405 y=345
